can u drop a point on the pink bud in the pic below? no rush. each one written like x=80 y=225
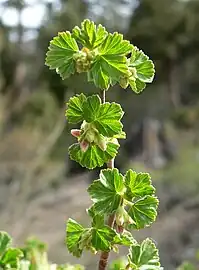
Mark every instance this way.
x=84 y=146
x=120 y=229
x=75 y=132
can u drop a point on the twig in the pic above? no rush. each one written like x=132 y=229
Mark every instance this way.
x=111 y=220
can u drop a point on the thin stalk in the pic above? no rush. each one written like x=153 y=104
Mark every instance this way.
x=103 y=96
x=111 y=219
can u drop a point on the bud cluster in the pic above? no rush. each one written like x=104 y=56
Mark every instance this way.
x=129 y=76
x=83 y=60
x=87 y=135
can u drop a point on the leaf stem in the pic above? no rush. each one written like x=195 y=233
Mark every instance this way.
x=103 y=96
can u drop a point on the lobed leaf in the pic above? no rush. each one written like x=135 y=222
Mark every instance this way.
x=89 y=35
x=106 y=117
x=74 y=231
x=138 y=185
x=144 y=70
x=74 y=112
x=5 y=242
x=102 y=238
x=143 y=212
x=125 y=239
x=94 y=156
x=111 y=62
x=60 y=54
x=12 y=258
x=144 y=256
x=115 y=44
x=106 y=193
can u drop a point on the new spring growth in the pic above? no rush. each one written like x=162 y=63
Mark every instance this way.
x=83 y=60
x=87 y=135
x=120 y=202
x=130 y=76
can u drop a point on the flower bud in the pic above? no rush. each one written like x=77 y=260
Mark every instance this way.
x=124 y=82
x=85 y=240
x=90 y=135
x=120 y=216
x=115 y=249
x=75 y=132
x=84 y=145
x=120 y=229
x=100 y=140
x=133 y=72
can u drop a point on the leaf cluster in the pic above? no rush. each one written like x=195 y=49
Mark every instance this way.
x=131 y=198
x=100 y=128
x=106 y=58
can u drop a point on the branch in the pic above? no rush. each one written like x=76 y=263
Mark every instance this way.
x=111 y=220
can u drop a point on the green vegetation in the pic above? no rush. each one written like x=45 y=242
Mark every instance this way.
x=120 y=202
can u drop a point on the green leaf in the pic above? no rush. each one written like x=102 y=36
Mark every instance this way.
x=143 y=211
x=94 y=156
x=121 y=135
x=115 y=44
x=111 y=62
x=144 y=70
x=125 y=239
x=144 y=256
x=89 y=35
x=12 y=258
x=106 y=193
x=98 y=220
x=102 y=238
x=106 y=117
x=60 y=54
x=144 y=66
x=74 y=112
x=5 y=242
x=74 y=231
x=138 y=185
x=136 y=85
x=91 y=108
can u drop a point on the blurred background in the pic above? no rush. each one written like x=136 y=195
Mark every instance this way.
x=39 y=187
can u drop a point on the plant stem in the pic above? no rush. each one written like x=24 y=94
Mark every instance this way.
x=111 y=220
x=103 y=96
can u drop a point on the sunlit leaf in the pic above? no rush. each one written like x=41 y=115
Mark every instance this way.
x=74 y=231
x=5 y=241
x=144 y=70
x=89 y=35
x=94 y=156
x=60 y=54
x=111 y=62
x=144 y=256
x=125 y=239
x=138 y=184
x=12 y=258
x=106 y=117
x=74 y=112
x=106 y=192
x=143 y=212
